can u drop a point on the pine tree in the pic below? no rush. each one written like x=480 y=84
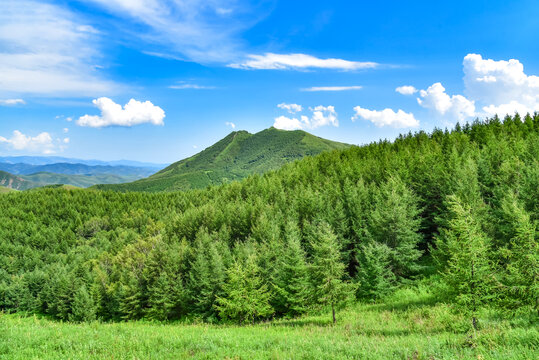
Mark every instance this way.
x=327 y=270
x=206 y=276
x=159 y=300
x=462 y=251
x=83 y=307
x=291 y=280
x=521 y=278
x=395 y=222
x=374 y=274
x=246 y=297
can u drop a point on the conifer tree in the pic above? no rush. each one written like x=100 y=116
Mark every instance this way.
x=374 y=276
x=521 y=278
x=462 y=251
x=395 y=222
x=245 y=295
x=83 y=307
x=207 y=275
x=159 y=300
x=327 y=270
x=291 y=280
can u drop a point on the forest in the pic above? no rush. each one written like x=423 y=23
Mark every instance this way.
x=456 y=211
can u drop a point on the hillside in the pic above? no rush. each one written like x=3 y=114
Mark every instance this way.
x=235 y=157
x=25 y=182
x=77 y=169
x=15 y=182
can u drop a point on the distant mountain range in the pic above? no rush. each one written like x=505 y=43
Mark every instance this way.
x=46 y=160
x=26 y=172
x=235 y=157
x=77 y=169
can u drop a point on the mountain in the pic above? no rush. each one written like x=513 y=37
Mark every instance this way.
x=15 y=182
x=235 y=157
x=47 y=160
x=78 y=169
x=25 y=182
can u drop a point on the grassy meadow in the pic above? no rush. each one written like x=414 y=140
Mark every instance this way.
x=407 y=325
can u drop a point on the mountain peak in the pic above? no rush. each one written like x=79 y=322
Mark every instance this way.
x=236 y=156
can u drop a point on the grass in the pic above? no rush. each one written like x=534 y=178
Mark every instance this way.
x=409 y=325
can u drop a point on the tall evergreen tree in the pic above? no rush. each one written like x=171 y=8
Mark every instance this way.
x=291 y=280
x=245 y=295
x=374 y=276
x=394 y=221
x=462 y=251
x=328 y=270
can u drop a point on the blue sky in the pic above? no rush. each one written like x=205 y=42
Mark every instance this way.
x=158 y=81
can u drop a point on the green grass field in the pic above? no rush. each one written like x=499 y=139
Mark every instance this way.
x=406 y=326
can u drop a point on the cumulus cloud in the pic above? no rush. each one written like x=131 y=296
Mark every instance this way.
x=46 y=49
x=455 y=106
x=406 y=90
x=271 y=61
x=231 y=124
x=12 y=102
x=133 y=113
x=501 y=85
x=286 y=123
x=386 y=117
x=332 y=88
x=321 y=116
x=291 y=108
x=41 y=143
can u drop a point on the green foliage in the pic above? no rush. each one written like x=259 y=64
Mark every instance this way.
x=83 y=308
x=246 y=297
x=235 y=157
x=374 y=274
x=378 y=209
x=521 y=278
x=466 y=269
x=328 y=271
x=290 y=282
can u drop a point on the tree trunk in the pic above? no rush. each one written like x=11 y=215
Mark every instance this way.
x=333 y=311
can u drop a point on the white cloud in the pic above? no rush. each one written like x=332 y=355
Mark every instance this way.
x=133 y=113
x=69 y=119
x=332 y=88
x=501 y=85
x=291 y=108
x=231 y=124
x=322 y=116
x=386 y=117
x=201 y=31
x=190 y=86
x=45 y=50
x=66 y=140
x=12 y=102
x=270 y=61
x=66 y=130
x=41 y=143
x=286 y=123
x=456 y=106
x=406 y=90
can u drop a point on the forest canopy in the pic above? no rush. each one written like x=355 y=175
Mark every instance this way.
x=460 y=207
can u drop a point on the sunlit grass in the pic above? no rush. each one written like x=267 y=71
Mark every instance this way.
x=409 y=325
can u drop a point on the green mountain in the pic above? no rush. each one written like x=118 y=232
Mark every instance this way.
x=25 y=182
x=235 y=157
x=15 y=182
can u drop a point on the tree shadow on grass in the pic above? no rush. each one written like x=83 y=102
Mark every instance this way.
x=405 y=305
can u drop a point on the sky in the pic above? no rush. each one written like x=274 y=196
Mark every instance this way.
x=160 y=80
